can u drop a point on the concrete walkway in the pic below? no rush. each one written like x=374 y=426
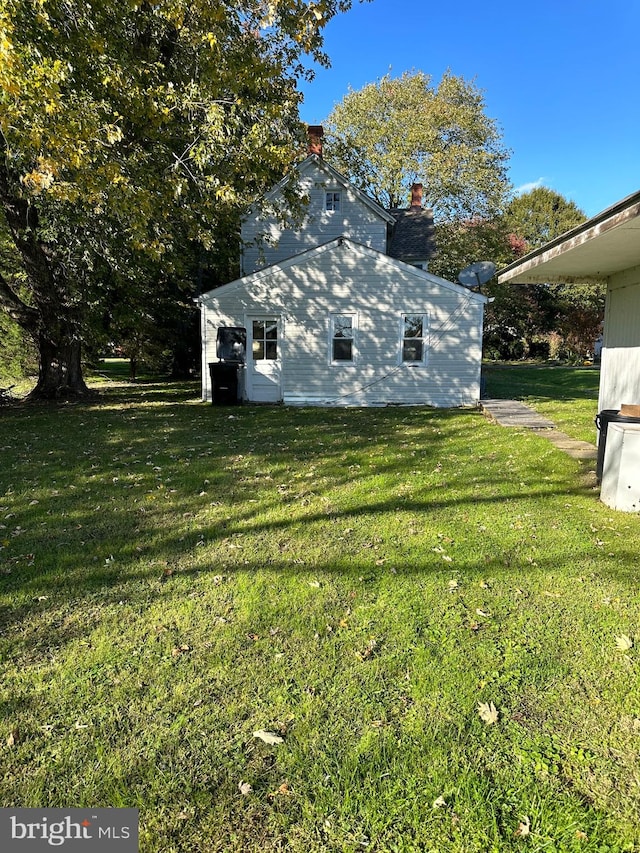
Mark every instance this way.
x=512 y=413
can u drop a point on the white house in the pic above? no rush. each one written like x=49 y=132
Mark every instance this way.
x=340 y=309
x=606 y=248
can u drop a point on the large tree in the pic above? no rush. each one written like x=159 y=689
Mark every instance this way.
x=131 y=130
x=569 y=315
x=540 y=215
x=401 y=130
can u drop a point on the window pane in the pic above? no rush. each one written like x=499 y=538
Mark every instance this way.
x=258 y=350
x=271 y=331
x=342 y=349
x=413 y=326
x=272 y=350
x=258 y=329
x=333 y=201
x=412 y=350
x=343 y=327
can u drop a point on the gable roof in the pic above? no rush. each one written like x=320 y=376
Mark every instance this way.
x=598 y=248
x=333 y=174
x=413 y=234
x=360 y=249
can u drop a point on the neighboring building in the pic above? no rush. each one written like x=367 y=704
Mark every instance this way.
x=339 y=308
x=606 y=249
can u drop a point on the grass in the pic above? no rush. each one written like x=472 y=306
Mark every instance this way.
x=566 y=395
x=176 y=576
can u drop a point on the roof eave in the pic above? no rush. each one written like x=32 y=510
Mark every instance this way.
x=523 y=271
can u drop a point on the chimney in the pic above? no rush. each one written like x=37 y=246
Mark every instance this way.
x=416 y=195
x=316 y=132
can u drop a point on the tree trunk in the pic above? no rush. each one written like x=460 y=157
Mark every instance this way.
x=52 y=318
x=60 y=374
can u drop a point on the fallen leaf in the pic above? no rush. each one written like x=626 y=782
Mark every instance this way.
x=524 y=828
x=268 y=737
x=184 y=816
x=13 y=737
x=180 y=650
x=488 y=713
x=439 y=803
x=244 y=788
x=283 y=791
x=482 y=613
x=581 y=835
x=624 y=643
x=315 y=584
x=372 y=645
x=453 y=584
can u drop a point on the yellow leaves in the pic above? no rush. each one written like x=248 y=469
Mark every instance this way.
x=113 y=134
x=41 y=178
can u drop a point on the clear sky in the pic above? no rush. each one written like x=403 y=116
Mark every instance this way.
x=560 y=77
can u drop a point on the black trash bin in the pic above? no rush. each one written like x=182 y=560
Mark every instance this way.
x=224 y=383
x=602 y=421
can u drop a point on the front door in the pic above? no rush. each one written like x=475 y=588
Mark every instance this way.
x=263 y=360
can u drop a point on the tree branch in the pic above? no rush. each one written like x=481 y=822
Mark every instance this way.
x=23 y=314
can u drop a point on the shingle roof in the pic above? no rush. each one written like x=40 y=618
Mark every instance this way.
x=413 y=235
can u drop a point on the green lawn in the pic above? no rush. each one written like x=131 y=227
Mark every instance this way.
x=175 y=577
x=566 y=395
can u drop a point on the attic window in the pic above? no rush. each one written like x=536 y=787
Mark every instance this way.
x=332 y=202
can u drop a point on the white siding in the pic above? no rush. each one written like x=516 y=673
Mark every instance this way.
x=346 y=278
x=267 y=242
x=620 y=372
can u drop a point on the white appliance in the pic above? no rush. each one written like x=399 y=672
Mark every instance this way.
x=621 y=470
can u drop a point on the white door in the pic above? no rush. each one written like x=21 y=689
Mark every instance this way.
x=263 y=360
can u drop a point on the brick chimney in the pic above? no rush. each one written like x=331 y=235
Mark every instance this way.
x=416 y=195
x=316 y=132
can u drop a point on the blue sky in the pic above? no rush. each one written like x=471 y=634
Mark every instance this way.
x=560 y=77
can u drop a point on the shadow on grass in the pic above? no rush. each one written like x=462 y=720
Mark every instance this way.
x=117 y=500
x=559 y=382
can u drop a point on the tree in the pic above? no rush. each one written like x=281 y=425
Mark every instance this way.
x=17 y=356
x=541 y=215
x=403 y=130
x=131 y=130
x=571 y=314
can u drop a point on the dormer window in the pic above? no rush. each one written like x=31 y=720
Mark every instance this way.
x=332 y=202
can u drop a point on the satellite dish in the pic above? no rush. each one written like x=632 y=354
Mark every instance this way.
x=476 y=274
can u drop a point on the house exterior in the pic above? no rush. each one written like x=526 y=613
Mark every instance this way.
x=340 y=309
x=606 y=248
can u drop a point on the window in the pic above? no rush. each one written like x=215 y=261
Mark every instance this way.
x=332 y=202
x=265 y=340
x=414 y=338
x=342 y=337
